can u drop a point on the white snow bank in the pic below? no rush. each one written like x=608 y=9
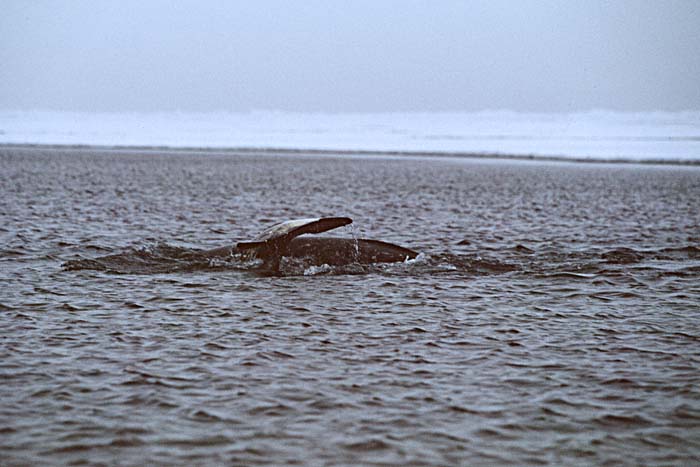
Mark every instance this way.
x=594 y=135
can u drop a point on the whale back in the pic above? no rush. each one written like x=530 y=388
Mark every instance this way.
x=285 y=231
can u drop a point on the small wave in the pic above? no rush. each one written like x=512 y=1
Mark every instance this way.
x=617 y=421
x=682 y=253
x=372 y=444
x=471 y=264
x=522 y=249
x=154 y=259
x=622 y=256
x=11 y=253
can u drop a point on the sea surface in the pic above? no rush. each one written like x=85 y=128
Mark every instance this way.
x=552 y=317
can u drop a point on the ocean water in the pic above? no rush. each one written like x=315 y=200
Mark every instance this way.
x=552 y=318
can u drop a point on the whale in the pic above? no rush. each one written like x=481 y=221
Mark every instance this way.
x=295 y=239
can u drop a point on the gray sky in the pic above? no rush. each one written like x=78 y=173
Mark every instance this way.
x=358 y=55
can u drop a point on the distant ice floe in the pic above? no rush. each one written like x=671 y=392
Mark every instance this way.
x=598 y=135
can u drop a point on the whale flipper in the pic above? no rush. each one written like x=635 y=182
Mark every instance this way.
x=282 y=233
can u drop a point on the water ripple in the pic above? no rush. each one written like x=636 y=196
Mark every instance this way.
x=552 y=318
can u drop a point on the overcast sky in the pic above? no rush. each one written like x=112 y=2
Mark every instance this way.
x=338 y=56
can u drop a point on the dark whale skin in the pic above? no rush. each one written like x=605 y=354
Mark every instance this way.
x=341 y=251
x=334 y=251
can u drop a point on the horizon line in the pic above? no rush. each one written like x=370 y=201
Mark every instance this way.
x=282 y=151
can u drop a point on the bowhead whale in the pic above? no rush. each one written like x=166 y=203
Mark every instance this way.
x=285 y=240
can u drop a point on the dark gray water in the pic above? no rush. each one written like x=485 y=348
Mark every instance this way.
x=552 y=318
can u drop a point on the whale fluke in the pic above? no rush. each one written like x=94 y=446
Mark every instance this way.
x=284 y=232
x=288 y=239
